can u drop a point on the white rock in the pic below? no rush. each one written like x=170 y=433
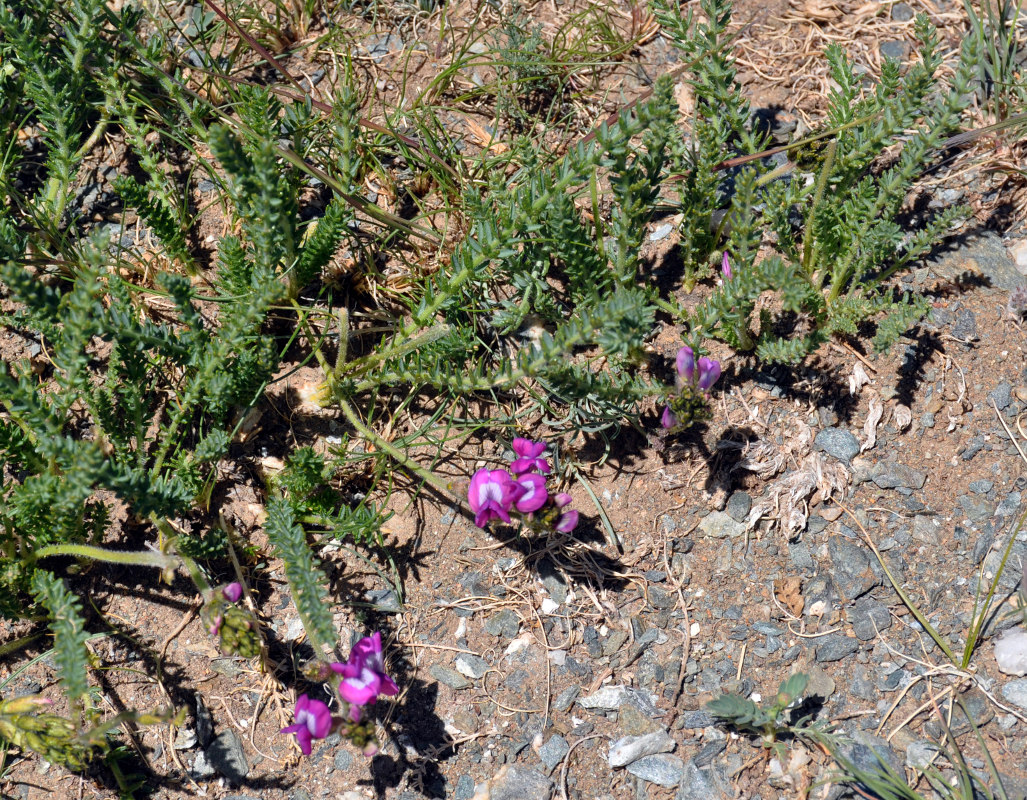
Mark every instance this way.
x=1011 y=652
x=549 y=606
x=631 y=748
x=1019 y=253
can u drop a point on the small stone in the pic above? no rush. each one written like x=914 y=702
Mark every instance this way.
x=1002 y=395
x=204 y=723
x=201 y=768
x=1016 y=692
x=973 y=447
x=868 y=617
x=566 y=697
x=704 y=783
x=629 y=749
x=472 y=666
x=890 y=475
x=554 y=582
x=385 y=600
x=819 y=684
x=661 y=769
x=867 y=752
x=920 y=753
x=927 y=529
x=982 y=486
x=718 y=525
x=1009 y=505
x=835 y=647
x=852 y=575
x=448 y=677
x=633 y=722
x=464 y=788
x=738 y=506
x=226 y=756
x=293 y=629
x=186 y=739
x=837 y=442
x=965 y=326
x=518 y=783
x=383 y=44
x=662 y=232
x=1011 y=652
x=505 y=624
x=343 y=759
x=553 y=751
x=611 y=698
x=659 y=598
x=895 y=49
x=901 y=12
x=697 y=719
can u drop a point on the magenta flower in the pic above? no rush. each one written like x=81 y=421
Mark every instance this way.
x=709 y=371
x=528 y=452
x=535 y=494
x=491 y=495
x=313 y=721
x=686 y=364
x=568 y=520
x=725 y=267
x=363 y=674
x=232 y=592
x=668 y=419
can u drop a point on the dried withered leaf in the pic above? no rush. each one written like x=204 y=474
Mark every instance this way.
x=902 y=416
x=788 y=592
x=788 y=499
x=858 y=379
x=870 y=426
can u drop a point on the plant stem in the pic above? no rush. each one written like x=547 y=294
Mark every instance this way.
x=134 y=557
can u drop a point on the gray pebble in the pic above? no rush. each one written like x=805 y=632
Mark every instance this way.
x=710 y=751
x=920 y=753
x=472 y=666
x=662 y=769
x=981 y=486
x=835 y=647
x=448 y=677
x=718 y=525
x=965 y=326
x=464 y=788
x=901 y=12
x=1002 y=395
x=868 y=752
x=738 y=505
x=206 y=186
x=891 y=475
x=838 y=442
x=927 y=420
x=553 y=751
x=704 y=783
x=697 y=719
x=566 y=697
x=629 y=749
x=227 y=757
x=659 y=598
x=519 y=783
x=894 y=49
x=343 y=760
x=1009 y=505
x=204 y=723
x=505 y=624
x=852 y=575
x=1016 y=692
x=819 y=684
x=201 y=768
x=868 y=617
x=385 y=600
x=973 y=447
x=662 y=232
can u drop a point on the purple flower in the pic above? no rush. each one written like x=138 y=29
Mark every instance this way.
x=528 y=452
x=725 y=267
x=363 y=674
x=491 y=494
x=567 y=522
x=668 y=419
x=232 y=592
x=535 y=494
x=686 y=364
x=709 y=371
x=313 y=721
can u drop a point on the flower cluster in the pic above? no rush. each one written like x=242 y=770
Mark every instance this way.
x=232 y=624
x=693 y=381
x=363 y=681
x=495 y=493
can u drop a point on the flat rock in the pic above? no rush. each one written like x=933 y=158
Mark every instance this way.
x=892 y=475
x=835 y=647
x=718 y=525
x=610 y=698
x=553 y=751
x=1016 y=692
x=226 y=755
x=505 y=624
x=703 y=783
x=662 y=769
x=852 y=575
x=984 y=256
x=629 y=749
x=471 y=665
x=516 y=783
x=1011 y=652
x=837 y=442
x=448 y=677
x=868 y=617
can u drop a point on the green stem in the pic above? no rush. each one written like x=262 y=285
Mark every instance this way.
x=135 y=557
